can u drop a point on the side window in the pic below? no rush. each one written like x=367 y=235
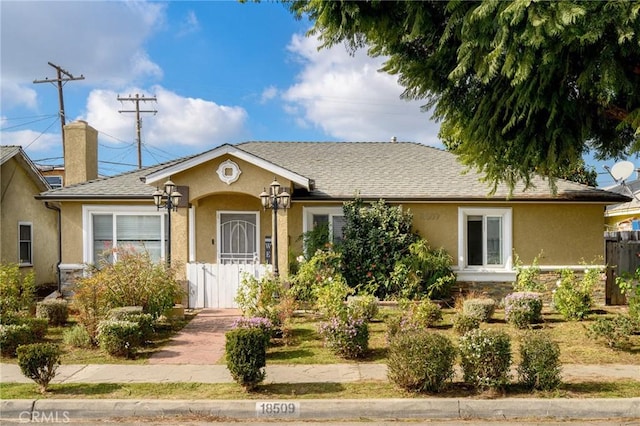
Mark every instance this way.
x=485 y=239
x=25 y=243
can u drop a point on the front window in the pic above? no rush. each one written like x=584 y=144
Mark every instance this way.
x=25 y=243
x=484 y=238
x=322 y=225
x=143 y=230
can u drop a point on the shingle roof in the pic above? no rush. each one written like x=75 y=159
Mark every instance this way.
x=8 y=152
x=630 y=207
x=392 y=171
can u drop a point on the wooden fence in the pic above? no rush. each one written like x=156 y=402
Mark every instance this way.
x=622 y=250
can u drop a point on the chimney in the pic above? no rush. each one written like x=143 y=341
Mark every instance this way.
x=80 y=153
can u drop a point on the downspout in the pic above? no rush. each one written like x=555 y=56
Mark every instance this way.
x=51 y=207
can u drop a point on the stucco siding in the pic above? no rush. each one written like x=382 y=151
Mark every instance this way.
x=19 y=205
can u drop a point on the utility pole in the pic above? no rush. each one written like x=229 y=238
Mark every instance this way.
x=137 y=100
x=60 y=81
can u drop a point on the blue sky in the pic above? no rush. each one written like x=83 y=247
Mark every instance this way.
x=222 y=72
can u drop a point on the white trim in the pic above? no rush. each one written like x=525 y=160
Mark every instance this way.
x=218 y=238
x=309 y=212
x=485 y=275
x=475 y=272
x=30 y=225
x=223 y=150
x=235 y=172
x=192 y=234
x=87 y=224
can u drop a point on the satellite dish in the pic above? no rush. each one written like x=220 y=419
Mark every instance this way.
x=622 y=170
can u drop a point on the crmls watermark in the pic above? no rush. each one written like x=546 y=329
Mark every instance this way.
x=36 y=416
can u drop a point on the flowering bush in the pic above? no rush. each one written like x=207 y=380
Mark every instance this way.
x=12 y=336
x=348 y=338
x=528 y=278
x=416 y=316
x=330 y=297
x=421 y=361
x=323 y=266
x=615 y=332
x=259 y=323
x=17 y=289
x=486 y=358
x=572 y=298
x=523 y=308
x=481 y=308
x=539 y=366
x=55 y=311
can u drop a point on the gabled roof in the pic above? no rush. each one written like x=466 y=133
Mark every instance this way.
x=7 y=152
x=394 y=171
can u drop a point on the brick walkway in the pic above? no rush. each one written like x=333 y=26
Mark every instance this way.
x=201 y=341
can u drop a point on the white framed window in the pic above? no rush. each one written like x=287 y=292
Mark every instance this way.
x=485 y=240
x=331 y=217
x=25 y=243
x=109 y=227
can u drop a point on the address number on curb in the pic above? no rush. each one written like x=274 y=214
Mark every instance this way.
x=278 y=409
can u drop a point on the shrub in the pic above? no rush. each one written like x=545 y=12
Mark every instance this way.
x=77 y=336
x=260 y=298
x=134 y=314
x=573 y=298
x=393 y=326
x=17 y=289
x=463 y=323
x=375 y=238
x=523 y=308
x=90 y=303
x=348 y=338
x=119 y=338
x=12 y=336
x=330 y=297
x=485 y=358
x=363 y=306
x=135 y=280
x=262 y=324
x=421 y=315
x=539 y=367
x=423 y=272
x=38 y=362
x=246 y=356
x=37 y=326
x=630 y=287
x=55 y=311
x=528 y=278
x=421 y=361
x=615 y=332
x=481 y=308
x=323 y=265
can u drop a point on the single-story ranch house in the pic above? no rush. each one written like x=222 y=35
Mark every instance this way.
x=220 y=222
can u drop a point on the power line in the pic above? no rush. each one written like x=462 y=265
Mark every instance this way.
x=60 y=81
x=137 y=99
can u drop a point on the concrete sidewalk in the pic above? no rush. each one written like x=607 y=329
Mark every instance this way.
x=276 y=373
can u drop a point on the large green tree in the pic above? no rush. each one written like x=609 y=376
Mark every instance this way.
x=520 y=87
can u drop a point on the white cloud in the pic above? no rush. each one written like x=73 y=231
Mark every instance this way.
x=102 y=40
x=268 y=94
x=32 y=141
x=180 y=121
x=348 y=98
x=189 y=24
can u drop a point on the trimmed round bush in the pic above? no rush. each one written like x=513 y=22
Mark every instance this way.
x=463 y=323
x=38 y=362
x=119 y=338
x=38 y=327
x=246 y=356
x=363 y=306
x=486 y=358
x=263 y=324
x=523 y=308
x=78 y=337
x=55 y=311
x=347 y=338
x=425 y=314
x=540 y=367
x=481 y=308
x=421 y=361
x=12 y=336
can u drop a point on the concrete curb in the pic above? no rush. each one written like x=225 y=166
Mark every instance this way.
x=324 y=409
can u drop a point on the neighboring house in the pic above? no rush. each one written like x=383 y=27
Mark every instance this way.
x=624 y=216
x=221 y=220
x=29 y=230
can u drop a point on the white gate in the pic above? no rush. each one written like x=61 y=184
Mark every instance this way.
x=215 y=285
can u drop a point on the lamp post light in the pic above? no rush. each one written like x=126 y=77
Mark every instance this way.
x=275 y=200
x=169 y=198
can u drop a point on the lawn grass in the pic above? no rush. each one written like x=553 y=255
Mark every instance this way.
x=360 y=390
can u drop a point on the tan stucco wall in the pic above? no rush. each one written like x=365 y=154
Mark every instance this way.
x=19 y=205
